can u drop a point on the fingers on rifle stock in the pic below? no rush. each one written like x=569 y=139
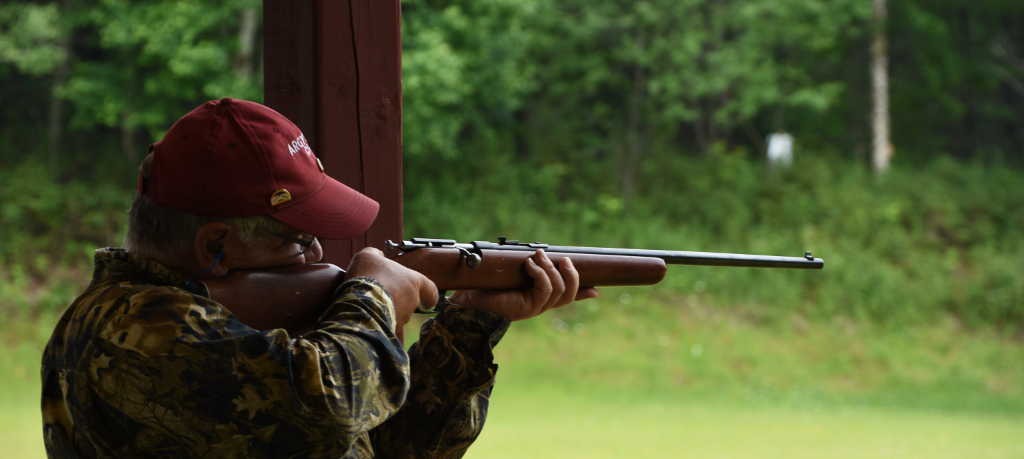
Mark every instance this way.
x=557 y=282
x=542 y=288
x=587 y=293
x=572 y=281
x=429 y=296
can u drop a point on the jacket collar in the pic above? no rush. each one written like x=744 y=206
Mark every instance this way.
x=114 y=264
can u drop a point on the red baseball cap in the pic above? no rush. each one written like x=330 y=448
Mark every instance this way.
x=235 y=158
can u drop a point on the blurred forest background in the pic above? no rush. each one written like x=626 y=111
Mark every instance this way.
x=623 y=123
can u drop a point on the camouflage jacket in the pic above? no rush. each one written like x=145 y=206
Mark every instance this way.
x=145 y=364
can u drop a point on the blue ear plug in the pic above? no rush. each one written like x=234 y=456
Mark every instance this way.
x=217 y=257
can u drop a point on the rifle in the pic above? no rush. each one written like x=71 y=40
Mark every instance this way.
x=293 y=297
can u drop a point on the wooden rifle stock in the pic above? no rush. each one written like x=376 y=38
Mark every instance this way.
x=496 y=270
x=293 y=298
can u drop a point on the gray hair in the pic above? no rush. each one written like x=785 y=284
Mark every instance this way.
x=160 y=232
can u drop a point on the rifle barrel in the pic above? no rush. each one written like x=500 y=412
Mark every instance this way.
x=674 y=257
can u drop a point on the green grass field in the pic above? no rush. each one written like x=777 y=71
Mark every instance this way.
x=657 y=377
x=21 y=431
x=544 y=425
x=649 y=376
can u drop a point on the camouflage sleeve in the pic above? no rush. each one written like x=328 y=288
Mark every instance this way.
x=452 y=375
x=201 y=378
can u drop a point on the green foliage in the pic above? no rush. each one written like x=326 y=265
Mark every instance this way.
x=568 y=121
x=555 y=80
x=158 y=58
x=615 y=77
x=965 y=63
x=573 y=80
x=49 y=232
x=466 y=72
x=912 y=247
x=29 y=37
x=109 y=75
x=724 y=61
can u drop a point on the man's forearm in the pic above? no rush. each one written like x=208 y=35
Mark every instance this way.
x=452 y=376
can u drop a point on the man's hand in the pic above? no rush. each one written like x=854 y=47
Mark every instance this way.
x=408 y=289
x=553 y=286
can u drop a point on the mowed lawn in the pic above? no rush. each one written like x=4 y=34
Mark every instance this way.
x=541 y=425
x=21 y=429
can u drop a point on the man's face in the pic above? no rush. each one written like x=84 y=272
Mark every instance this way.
x=274 y=250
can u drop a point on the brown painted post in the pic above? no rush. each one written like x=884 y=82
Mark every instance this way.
x=334 y=67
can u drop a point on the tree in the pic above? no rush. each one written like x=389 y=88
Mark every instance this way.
x=686 y=74
x=881 y=150
x=35 y=42
x=144 y=62
x=952 y=78
x=466 y=74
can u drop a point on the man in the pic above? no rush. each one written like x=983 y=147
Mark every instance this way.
x=145 y=364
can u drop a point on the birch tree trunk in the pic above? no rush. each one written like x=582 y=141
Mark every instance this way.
x=248 y=39
x=881 y=143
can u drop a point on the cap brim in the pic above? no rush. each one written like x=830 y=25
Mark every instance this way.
x=334 y=212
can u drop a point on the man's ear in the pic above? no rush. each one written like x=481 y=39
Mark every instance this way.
x=209 y=248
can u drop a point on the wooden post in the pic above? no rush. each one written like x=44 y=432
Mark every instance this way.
x=334 y=68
